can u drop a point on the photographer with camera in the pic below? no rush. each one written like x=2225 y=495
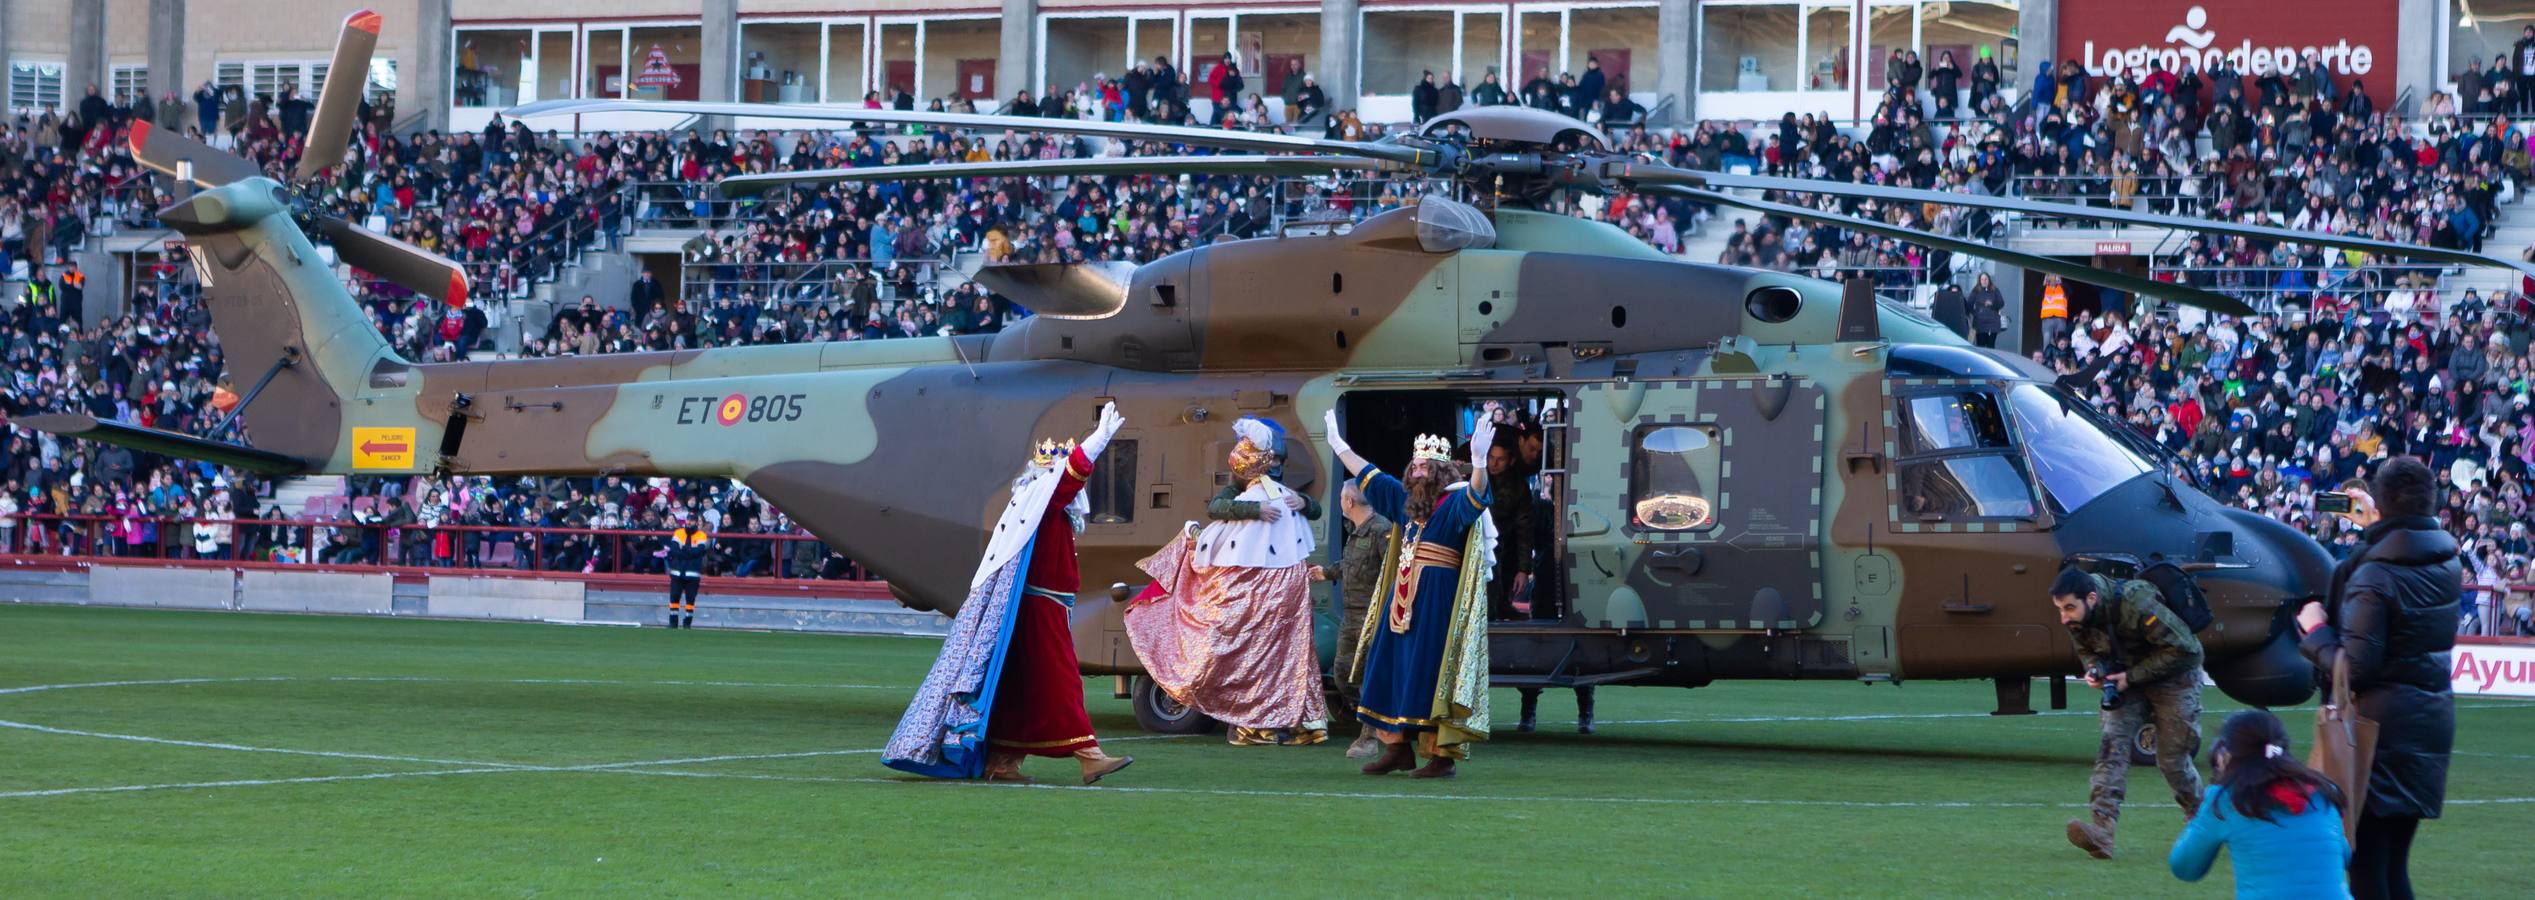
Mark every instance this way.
x=2148 y=666
x=2392 y=620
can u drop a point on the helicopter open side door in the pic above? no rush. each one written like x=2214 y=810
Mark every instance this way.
x=1695 y=504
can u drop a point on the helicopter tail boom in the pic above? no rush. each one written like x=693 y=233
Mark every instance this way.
x=300 y=350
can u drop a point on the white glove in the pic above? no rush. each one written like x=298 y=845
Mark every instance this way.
x=1110 y=422
x=1337 y=445
x=1481 y=438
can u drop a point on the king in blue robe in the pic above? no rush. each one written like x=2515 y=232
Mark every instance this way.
x=1425 y=659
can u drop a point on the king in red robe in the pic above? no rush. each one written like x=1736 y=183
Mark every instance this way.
x=1008 y=663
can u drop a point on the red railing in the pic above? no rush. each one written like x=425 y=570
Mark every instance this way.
x=609 y=556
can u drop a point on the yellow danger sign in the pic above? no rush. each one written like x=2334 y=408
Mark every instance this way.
x=382 y=448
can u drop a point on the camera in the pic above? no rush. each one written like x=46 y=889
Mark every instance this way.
x=2112 y=694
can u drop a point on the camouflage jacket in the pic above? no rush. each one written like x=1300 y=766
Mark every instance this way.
x=1360 y=562
x=1517 y=512
x=2153 y=644
x=1224 y=507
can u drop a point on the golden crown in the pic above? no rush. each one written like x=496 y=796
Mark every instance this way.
x=1433 y=447
x=1050 y=451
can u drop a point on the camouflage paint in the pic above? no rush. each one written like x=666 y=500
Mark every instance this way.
x=897 y=452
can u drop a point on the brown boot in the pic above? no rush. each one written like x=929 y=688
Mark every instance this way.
x=1395 y=758
x=1095 y=770
x=2096 y=838
x=1436 y=767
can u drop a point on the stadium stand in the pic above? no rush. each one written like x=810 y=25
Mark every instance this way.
x=2349 y=360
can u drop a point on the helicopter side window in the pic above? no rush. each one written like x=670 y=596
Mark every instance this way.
x=1958 y=461
x=1672 y=478
x=1111 y=489
x=1943 y=422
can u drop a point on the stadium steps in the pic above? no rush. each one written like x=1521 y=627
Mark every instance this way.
x=2515 y=235
x=293 y=496
x=1707 y=243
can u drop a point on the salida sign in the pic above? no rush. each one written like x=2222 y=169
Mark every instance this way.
x=2351 y=38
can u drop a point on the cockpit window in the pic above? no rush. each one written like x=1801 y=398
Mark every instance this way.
x=2075 y=458
x=1958 y=460
x=1956 y=488
x=1961 y=421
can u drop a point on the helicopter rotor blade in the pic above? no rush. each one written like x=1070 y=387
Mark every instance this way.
x=1132 y=131
x=163 y=149
x=339 y=102
x=751 y=185
x=417 y=269
x=1641 y=173
x=2183 y=294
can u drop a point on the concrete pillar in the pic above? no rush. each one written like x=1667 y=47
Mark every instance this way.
x=2416 y=58
x=167 y=48
x=430 y=87
x=7 y=9
x=1020 y=51
x=719 y=81
x=1677 y=59
x=87 y=63
x=2037 y=40
x=1341 y=42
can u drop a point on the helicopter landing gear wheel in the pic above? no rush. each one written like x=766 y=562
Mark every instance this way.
x=1156 y=712
x=2143 y=745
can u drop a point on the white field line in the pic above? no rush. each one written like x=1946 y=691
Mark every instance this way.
x=656 y=767
x=652 y=768
x=244 y=782
x=636 y=767
x=212 y=745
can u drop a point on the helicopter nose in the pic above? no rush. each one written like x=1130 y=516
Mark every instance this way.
x=2254 y=657
x=2254 y=571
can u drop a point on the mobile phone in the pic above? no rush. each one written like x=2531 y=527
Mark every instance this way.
x=2334 y=502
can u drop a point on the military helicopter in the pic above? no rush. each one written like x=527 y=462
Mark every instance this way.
x=1754 y=474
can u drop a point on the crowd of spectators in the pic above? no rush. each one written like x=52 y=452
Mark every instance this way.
x=2350 y=358
x=2296 y=149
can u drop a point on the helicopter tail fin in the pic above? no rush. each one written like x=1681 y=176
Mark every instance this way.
x=298 y=347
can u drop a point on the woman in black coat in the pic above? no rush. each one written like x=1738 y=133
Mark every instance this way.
x=1790 y=143
x=1989 y=312
x=1943 y=82
x=2393 y=618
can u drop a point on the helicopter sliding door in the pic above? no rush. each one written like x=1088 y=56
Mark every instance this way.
x=1696 y=505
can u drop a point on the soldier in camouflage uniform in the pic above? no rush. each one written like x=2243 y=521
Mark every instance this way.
x=1359 y=568
x=2127 y=637
x=1228 y=507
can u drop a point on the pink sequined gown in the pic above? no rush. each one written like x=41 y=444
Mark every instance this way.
x=1233 y=642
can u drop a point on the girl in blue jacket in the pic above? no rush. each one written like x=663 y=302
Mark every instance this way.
x=2281 y=819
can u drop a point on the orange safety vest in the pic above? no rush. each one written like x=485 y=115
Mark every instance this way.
x=2054 y=301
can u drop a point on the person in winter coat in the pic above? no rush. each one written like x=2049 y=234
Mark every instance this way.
x=2393 y=619
x=1950 y=310
x=1989 y=312
x=2280 y=820
x=684 y=555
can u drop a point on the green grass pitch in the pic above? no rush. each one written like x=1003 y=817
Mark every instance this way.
x=256 y=755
